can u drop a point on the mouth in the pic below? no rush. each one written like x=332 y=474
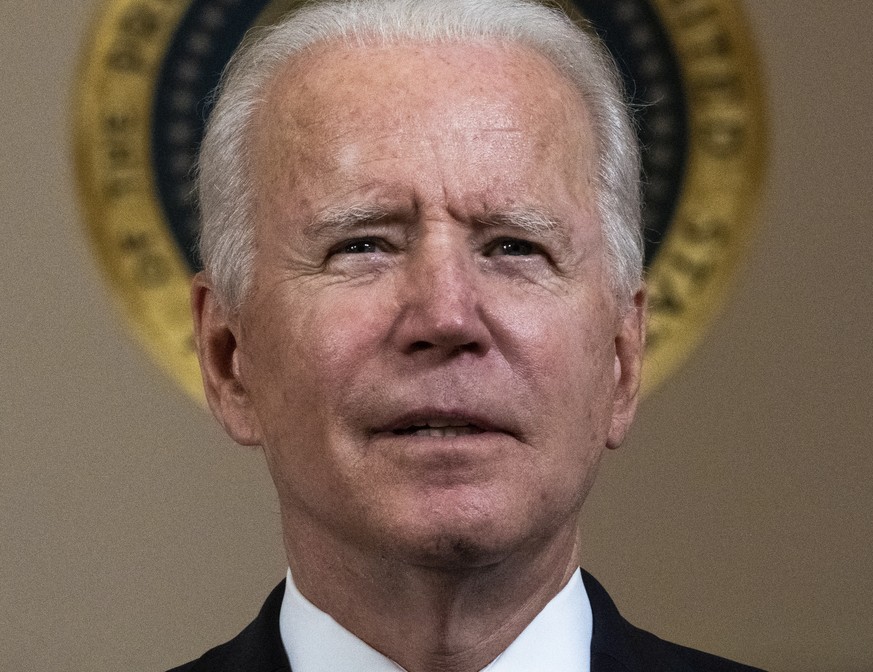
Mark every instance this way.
x=439 y=425
x=438 y=429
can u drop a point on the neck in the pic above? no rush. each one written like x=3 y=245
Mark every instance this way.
x=448 y=619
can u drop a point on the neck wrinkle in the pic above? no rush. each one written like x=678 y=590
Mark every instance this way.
x=430 y=619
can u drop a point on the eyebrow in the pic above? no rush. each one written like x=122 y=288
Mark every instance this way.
x=531 y=221
x=344 y=218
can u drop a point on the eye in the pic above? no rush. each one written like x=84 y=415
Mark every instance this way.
x=511 y=247
x=360 y=246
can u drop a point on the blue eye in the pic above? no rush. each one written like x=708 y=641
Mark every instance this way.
x=512 y=247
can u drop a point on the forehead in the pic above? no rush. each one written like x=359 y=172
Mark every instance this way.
x=417 y=71
x=491 y=112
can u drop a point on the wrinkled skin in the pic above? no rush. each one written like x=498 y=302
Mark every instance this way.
x=396 y=288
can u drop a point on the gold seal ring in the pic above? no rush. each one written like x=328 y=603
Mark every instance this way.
x=143 y=97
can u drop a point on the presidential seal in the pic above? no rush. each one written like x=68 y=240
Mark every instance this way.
x=144 y=96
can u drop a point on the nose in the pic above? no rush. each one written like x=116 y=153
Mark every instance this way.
x=441 y=305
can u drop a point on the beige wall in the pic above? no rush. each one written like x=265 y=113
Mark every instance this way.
x=738 y=518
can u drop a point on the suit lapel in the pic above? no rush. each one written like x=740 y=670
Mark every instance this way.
x=258 y=648
x=263 y=649
x=612 y=646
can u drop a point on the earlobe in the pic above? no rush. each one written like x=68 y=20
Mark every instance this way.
x=216 y=339
x=629 y=347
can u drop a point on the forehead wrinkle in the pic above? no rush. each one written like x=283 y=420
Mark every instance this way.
x=297 y=116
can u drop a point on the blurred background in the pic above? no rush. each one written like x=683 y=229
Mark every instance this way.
x=738 y=518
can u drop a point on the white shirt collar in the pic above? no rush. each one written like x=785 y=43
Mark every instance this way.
x=558 y=639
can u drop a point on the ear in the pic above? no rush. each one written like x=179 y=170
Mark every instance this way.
x=216 y=337
x=629 y=345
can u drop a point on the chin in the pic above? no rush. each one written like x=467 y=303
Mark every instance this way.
x=464 y=542
x=454 y=551
x=452 y=554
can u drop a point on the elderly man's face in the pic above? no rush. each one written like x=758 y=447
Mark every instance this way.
x=430 y=353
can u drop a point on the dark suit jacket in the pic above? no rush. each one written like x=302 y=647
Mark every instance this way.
x=616 y=645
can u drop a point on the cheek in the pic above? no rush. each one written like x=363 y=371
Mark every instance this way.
x=564 y=355
x=343 y=334
x=312 y=351
x=303 y=363
x=577 y=417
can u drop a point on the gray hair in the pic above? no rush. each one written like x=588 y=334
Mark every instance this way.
x=224 y=180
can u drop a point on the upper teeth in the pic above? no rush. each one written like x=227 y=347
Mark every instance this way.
x=445 y=431
x=439 y=427
x=445 y=423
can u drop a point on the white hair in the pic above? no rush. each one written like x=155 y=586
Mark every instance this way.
x=224 y=179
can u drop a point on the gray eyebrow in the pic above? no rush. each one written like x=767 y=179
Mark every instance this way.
x=529 y=220
x=532 y=221
x=344 y=218
x=340 y=219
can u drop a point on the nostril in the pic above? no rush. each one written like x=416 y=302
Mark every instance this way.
x=421 y=346
x=473 y=346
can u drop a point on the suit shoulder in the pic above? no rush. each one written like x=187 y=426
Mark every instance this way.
x=661 y=655
x=258 y=648
x=619 y=646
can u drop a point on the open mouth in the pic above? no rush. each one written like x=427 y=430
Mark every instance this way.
x=438 y=430
x=442 y=424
